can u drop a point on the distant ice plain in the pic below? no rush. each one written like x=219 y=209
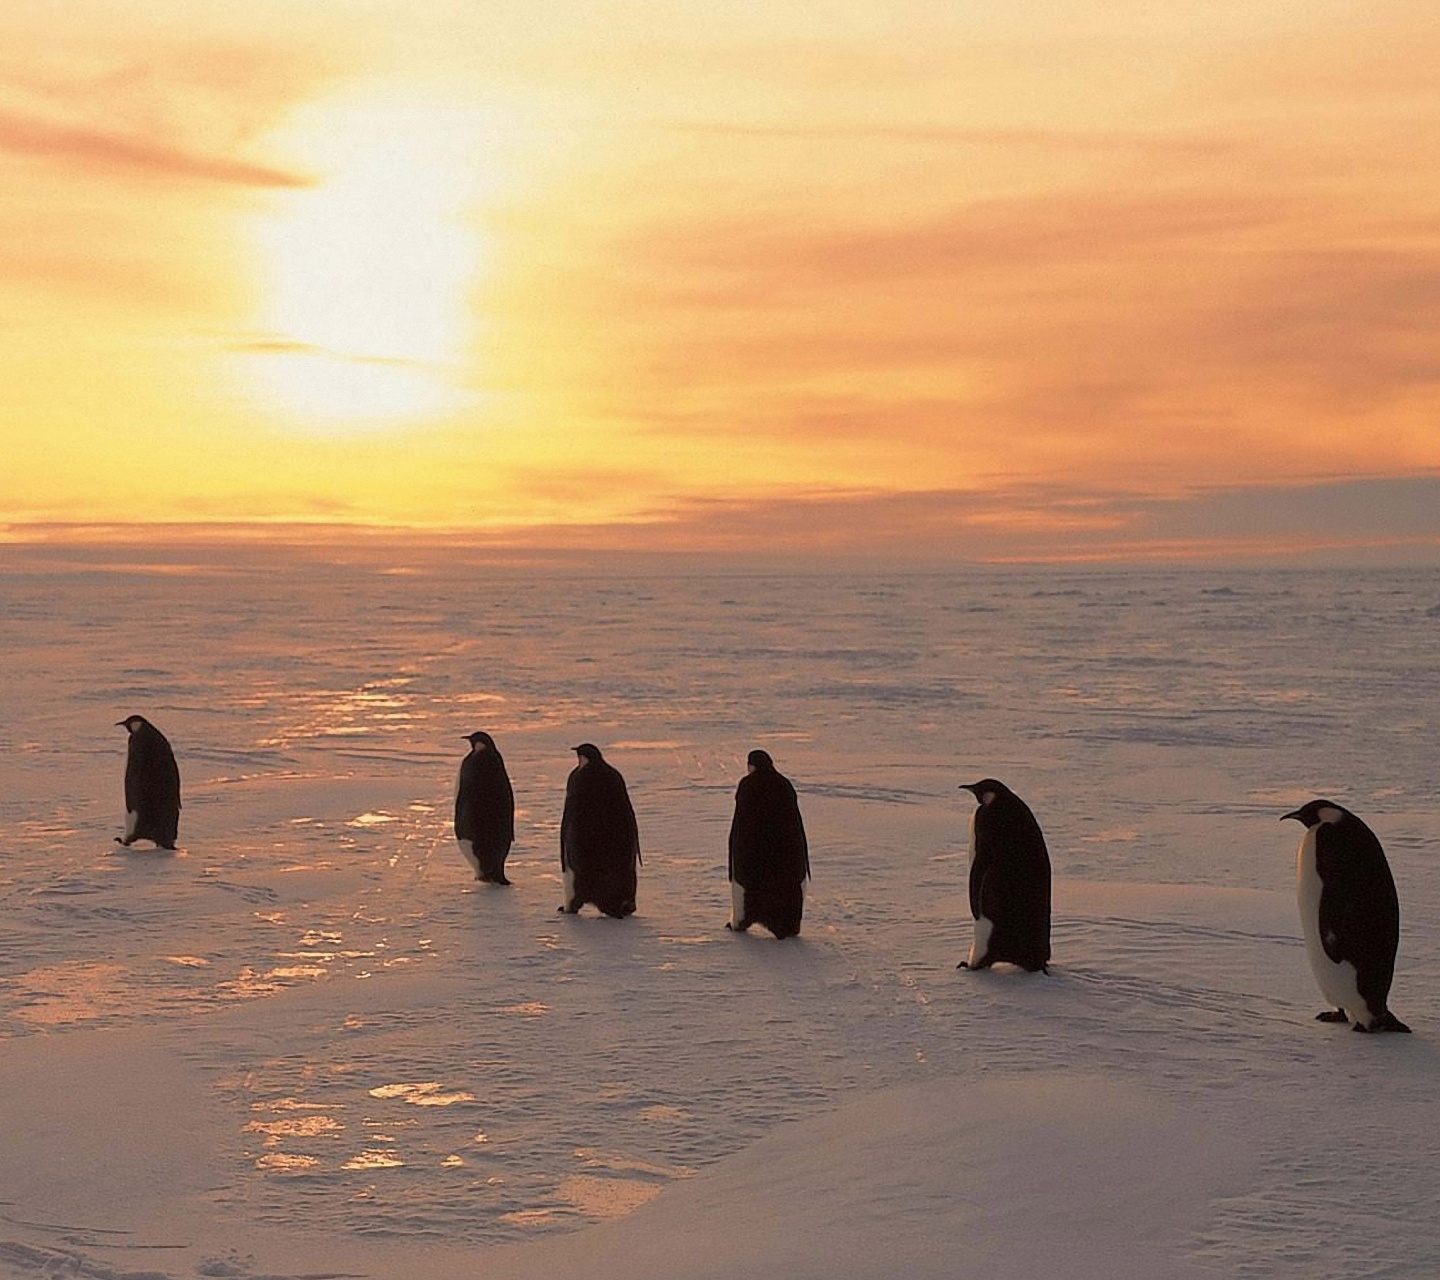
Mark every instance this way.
x=310 y=1039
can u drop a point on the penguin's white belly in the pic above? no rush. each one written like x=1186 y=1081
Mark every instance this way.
x=132 y=820
x=467 y=847
x=983 y=927
x=568 y=876
x=1336 y=981
x=978 y=948
x=737 y=903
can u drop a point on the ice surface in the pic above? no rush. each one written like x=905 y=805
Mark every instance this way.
x=310 y=1042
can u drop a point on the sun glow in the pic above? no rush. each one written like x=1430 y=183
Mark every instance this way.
x=366 y=316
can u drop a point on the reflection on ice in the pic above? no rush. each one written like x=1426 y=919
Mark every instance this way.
x=311 y=1126
x=74 y=991
x=661 y=744
x=250 y=983
x=530 y=1217
x=279 y=1162
x=1112 y=835
x=313 y=937
x=371 y=820
x=374 y=1159
x=428 y=1094
x=292 y=1104
x=297 y=971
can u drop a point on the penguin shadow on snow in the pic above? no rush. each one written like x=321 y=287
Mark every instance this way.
x=633 y=939
x=634 y=953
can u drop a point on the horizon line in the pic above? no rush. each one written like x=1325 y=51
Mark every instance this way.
x=628 y=541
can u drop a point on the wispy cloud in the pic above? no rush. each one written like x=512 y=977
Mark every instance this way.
x=87 y=147
x=1337 y=518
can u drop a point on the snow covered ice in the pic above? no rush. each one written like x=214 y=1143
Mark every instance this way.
x=308 y=1042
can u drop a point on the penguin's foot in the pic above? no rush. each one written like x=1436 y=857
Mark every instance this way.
x=1333 y=1015
x=568 y=910
x=1387 y=1021
x=497 y=877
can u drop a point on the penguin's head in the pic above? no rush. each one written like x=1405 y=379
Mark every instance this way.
x=480 y=741
x=131 y=723
x=588 y=752
x=985 y=790
x=1316 y=812
x=758 y=759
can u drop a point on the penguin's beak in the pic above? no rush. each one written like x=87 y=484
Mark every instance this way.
x=970 y=787
x=1296 y=815
x=120 y=724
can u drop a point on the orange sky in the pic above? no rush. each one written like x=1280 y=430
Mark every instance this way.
x=1006 y=279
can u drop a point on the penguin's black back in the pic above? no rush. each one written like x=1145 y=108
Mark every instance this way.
x=599 y=837
x=485 y=803
x=769 y=855
x=1359 y=906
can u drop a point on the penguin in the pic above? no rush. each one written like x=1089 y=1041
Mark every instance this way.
x=769 y=858
x=1009 y=881
x=485 y=809
x=599 y=837
x=1350 y=914
x=152 y=786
